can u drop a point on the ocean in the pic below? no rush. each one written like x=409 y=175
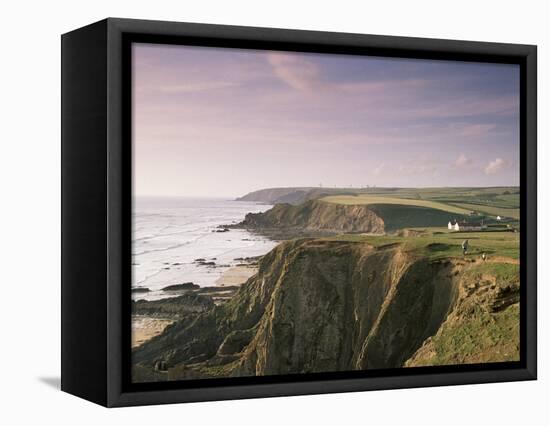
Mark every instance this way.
x=170 y=233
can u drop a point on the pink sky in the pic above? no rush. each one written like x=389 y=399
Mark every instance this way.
x=224 y=122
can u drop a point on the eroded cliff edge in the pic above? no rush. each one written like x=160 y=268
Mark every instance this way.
x=313 y=218
x=318 y=305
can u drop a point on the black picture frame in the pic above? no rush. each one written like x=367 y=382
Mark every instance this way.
x=96 y=211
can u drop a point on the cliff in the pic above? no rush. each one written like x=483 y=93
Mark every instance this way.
x=318 y=305
x=295 y=195
x=315 y=217
x=275 y=195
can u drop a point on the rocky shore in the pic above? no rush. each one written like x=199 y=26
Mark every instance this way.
x=151 y=317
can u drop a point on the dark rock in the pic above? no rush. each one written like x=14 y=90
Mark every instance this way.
x=217 y=289
x=160 y=365
x=236 y=341
x=173 y=307
x=181 y=287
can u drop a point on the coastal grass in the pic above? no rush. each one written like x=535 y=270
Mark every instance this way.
x=483 y=337
x=474 y=332
x=491 y=210
x=503 y=272
x=436 y=243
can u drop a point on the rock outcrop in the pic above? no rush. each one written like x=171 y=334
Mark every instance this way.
x=181 y=287
x=314 y=217
x=173 y=307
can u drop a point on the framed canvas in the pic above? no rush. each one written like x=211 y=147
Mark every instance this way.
x=254 y=212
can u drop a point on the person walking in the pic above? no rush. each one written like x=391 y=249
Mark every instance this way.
x=465 y=245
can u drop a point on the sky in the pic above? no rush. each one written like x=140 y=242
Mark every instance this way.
x=211 y=122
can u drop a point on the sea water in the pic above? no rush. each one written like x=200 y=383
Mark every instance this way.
x=169 y=234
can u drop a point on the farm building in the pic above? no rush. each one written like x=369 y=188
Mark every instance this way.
x=467 y=226
x=453 y=226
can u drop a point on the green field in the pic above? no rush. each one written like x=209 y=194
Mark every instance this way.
x=439 y=242
x=495 y=201
x=491 y=210
x=382 y=199
x=399 y=216
x=505 y=196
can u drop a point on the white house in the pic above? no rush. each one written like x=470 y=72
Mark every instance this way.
x=499 y=218
x=453 y=227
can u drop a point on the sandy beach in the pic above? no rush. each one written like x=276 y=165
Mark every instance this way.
x=237 y=275
x=145 y=328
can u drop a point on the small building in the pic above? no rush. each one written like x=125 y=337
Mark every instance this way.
x=453 y=226
x=466 y=226
x=469 y=226
x=499 y=218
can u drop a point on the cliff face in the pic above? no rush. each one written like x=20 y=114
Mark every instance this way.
x=315 y=215
x=358 y=307
x=318 y=305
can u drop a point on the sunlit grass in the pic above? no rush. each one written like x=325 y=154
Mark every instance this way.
x=382 y=199
x=439 y=242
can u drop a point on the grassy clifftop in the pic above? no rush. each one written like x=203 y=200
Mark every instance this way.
x=347 y=303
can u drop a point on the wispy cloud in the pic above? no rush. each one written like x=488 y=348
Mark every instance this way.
x=294 y=70
x=462 y=161
x=196 y=87
x=477 y=129
x=377 y=171
x=496 y=166
x=414 y=167
x=382 y=87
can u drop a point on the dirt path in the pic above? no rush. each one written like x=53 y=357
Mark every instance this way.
x=498 y=259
